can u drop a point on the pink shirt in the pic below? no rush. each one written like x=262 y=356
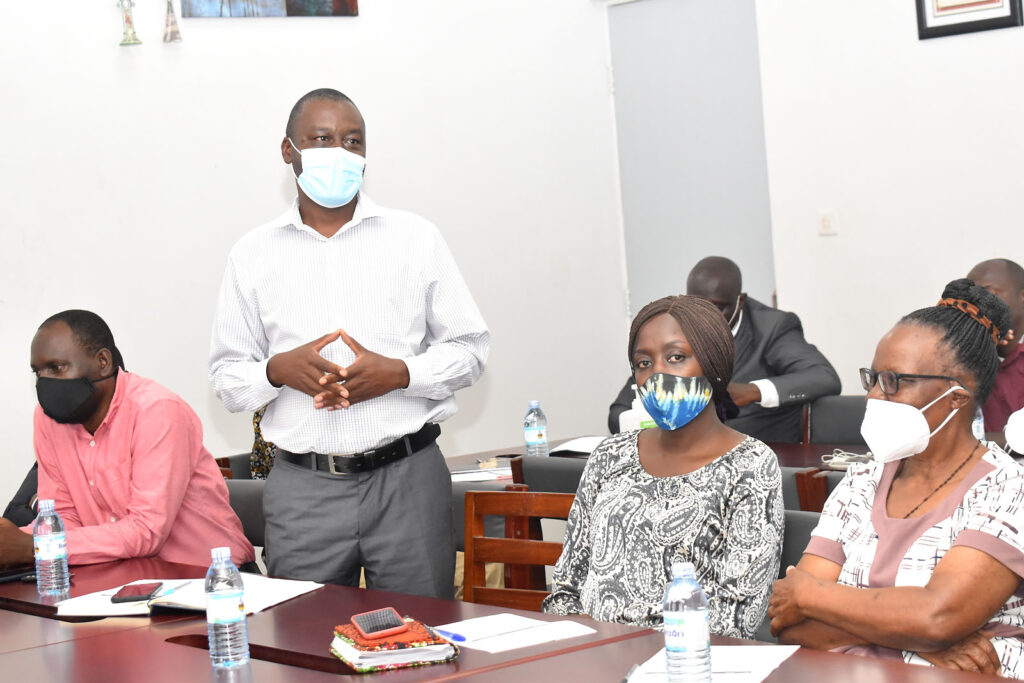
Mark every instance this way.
x=142 y=486
x=1007 y=395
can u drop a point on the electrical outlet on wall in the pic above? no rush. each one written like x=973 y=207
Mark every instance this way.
x=828 y=225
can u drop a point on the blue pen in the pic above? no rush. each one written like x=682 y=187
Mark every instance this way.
x=171 y=590
x=451 y=636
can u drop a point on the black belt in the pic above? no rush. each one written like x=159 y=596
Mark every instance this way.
x=354 y=463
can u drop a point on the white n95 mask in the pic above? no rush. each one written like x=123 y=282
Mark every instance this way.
x=894 y=431
x=331 y=176
x=1014 y=432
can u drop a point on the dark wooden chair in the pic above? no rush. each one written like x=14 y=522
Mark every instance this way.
x=517 y=550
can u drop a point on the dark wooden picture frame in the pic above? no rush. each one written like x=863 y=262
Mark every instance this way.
x=968 y=25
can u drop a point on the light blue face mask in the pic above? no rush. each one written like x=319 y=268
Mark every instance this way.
x=673 y=401
x=331 y=176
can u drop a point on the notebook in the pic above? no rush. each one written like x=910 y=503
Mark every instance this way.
x=418 y=646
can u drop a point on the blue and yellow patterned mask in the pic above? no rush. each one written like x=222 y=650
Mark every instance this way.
x=673 y=401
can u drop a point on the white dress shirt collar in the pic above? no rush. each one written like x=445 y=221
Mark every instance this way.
x=365 y=208
x=736 y=325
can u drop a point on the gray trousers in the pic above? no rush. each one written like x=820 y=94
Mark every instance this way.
x=394 y=522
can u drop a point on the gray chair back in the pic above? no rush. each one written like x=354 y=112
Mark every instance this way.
x=494 y=526
x=799 y=525
x=553 y=474
x=246 y=496
x=836 y=419
x=790 y=493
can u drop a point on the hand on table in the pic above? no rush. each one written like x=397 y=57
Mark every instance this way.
x=973 y=653
x=302 y=367
x=783 y=606
x=15 y=545
x=744 y=394
x=370 y=375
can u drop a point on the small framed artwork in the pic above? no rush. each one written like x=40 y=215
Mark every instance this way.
x=269 y=8
x=937 y=18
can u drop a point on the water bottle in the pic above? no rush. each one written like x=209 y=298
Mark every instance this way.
x=535 y=428
x=51 y=551
x=978 y=425
x=687 y=640
x=636 y=417
x=225 y=612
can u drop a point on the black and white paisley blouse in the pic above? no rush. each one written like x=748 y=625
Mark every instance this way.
x=627 y=526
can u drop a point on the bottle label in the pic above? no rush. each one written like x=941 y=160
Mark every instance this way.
x=51 y=546
x=225 y=608
x=535 y=436
x=686 y=631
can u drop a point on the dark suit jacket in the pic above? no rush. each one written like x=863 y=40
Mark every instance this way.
x=770 y=345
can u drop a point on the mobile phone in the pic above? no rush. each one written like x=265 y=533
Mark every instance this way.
x=136 y=592
x=379 y=623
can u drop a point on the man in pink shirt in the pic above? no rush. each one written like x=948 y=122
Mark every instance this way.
x=121 y=456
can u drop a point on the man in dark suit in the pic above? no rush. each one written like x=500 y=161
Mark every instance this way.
x=775 y=372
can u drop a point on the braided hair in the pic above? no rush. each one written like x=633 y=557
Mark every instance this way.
x=708 y=335
x=89 y=330
x=971 y=335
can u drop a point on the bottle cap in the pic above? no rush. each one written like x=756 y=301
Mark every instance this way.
x=220 y=553
x=45 y=505
x=682 y=570
x=534 y=404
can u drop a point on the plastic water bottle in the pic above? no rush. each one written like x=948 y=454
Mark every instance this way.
x=637 y=416
x=225 y=612
x=978 y=425
x=687 y=640
x=51 y=551
x=535 y=429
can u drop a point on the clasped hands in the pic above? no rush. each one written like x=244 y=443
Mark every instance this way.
x=334 y=386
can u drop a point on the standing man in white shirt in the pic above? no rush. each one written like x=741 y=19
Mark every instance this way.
x=353 y=322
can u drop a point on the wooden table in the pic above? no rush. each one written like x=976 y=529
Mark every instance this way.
x=289 y=643
x=612 y=661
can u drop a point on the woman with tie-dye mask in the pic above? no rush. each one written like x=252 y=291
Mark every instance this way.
x=690 y=490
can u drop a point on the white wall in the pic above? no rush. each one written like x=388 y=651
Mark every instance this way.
x=915 y=145
x=691 y=143
x=127 y=174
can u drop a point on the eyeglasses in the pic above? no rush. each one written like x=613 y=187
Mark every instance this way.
x=889 y=381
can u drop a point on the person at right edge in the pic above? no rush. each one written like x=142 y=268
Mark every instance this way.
x=777 y=371
x=919 y=554
x=1005 y=279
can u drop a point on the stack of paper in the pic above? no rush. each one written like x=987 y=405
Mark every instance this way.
x=729 y=664
x=261 y=592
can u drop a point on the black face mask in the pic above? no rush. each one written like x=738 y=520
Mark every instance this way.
x=66 y=400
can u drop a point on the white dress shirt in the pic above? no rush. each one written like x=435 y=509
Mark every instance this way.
x=388 y=279
x=769 y=392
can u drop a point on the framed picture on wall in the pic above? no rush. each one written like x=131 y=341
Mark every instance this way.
x=937 y=18
x=269 y=8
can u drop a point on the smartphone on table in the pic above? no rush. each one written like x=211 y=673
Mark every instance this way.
x=136 y=592
x=379 y=623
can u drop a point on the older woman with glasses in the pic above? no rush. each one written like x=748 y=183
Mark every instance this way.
x=919 y=555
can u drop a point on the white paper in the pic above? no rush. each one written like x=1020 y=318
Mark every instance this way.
x=583 y=444
x=483 y=475
x=729 y=664
x=261 y=592
x=501 y=632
